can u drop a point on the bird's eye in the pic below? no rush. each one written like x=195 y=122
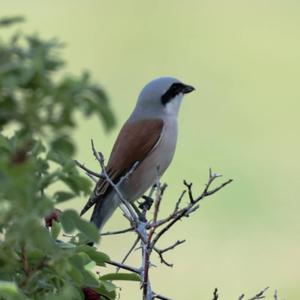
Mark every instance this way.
x=172 y=92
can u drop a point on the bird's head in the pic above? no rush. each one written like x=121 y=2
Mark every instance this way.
x=162 y=96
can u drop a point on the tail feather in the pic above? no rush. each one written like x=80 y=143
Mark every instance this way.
x=88 y=205
x=98 y=215
x=103 y=210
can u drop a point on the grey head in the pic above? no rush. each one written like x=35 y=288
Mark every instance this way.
x=161 y=97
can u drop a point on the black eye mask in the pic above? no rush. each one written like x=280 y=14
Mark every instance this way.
x=175 y=89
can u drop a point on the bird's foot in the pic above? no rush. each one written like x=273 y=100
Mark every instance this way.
x=147 y=204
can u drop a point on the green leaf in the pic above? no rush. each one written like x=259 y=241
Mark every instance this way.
x=63 y=144
x=67 y=292
x=90 y=280
x=109 y=286
x=36 y=235
x=42 y=166
x=8 y=21
x=107 y=289
x=55 y=229
x=90 y=266
x=55 y=157
x=48 y=179
x=80 y=259
x=9 y=290
x=37 y=148
x=39 y=108
x=76 y=275
x=64 y=245
x=98 y=257
x=68 y=220
x=4 y=143
x=121 y=276
x=88 y=229
x=63 y=196
x=77 y=183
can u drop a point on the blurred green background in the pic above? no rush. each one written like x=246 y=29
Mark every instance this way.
x=243 y=57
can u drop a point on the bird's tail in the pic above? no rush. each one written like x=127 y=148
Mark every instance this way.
x=98 y=216
x=103 y=210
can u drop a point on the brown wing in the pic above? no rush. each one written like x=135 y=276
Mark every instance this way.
x=135 y=141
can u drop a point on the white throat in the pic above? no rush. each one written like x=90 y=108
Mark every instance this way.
x=172 y=107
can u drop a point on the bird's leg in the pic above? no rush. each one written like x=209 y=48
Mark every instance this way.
x=140 y=214
x=146 y=205
x=143 y=207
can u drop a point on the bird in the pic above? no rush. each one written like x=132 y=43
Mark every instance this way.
x=148 y=140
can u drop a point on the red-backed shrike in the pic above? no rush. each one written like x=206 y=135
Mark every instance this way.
x=148 y=137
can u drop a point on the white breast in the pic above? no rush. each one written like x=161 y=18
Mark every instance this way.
x=159 y=159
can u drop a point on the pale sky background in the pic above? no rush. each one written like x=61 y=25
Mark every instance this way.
x=243 y=57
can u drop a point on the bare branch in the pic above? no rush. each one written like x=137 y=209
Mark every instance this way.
x=189 y=189
x=157 y=296
x=179 y=201
x=260 y=295
x=117 y=232
x=123 y=266
x=191 y=207
x=130 y=251
x=218 y=188
x=146 y=247
x=179 y=242
x=87 y=170
x=160 y=252
x=145 y=230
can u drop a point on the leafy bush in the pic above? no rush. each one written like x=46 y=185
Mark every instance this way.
x=38 y=106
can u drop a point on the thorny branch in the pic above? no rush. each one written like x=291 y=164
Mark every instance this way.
x=149 y=230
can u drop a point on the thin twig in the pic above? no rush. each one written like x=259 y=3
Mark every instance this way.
x=117 y=232
x=130 y=251
x=92 y=177
x=160 y=252
x=158 y=296
x=179 y=201
x=123 y=266
x=189 y=189
x=191 y=207
x=87 y=170
x=179 y=242
x=260 y=295
x=218 y=188
x=146 y=247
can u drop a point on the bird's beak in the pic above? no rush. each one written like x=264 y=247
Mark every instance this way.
x=187 y=89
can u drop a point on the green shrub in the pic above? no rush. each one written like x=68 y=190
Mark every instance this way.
x=38 y=105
